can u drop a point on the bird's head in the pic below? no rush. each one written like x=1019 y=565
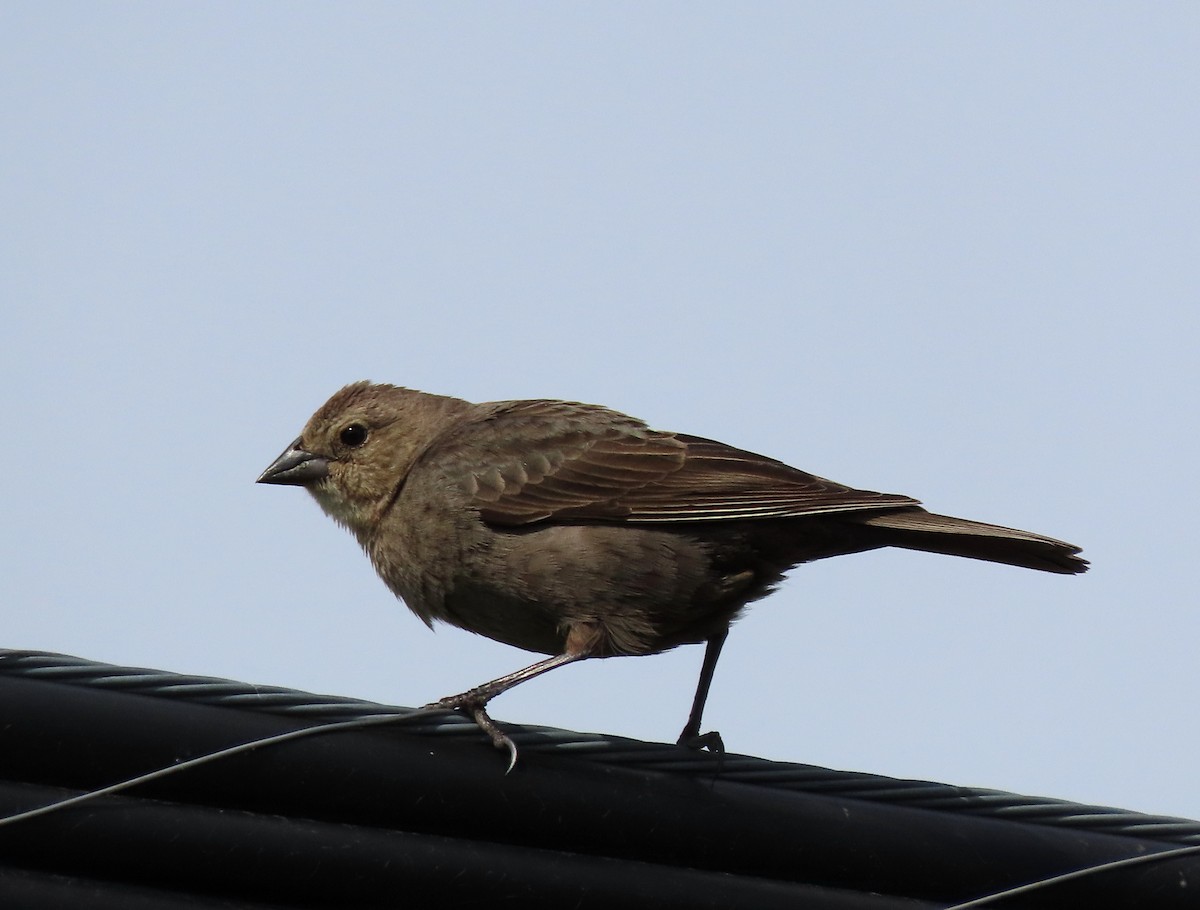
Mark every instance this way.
x=355 y=451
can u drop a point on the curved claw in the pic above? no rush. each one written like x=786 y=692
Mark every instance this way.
x=499 y=738
x=469 y=703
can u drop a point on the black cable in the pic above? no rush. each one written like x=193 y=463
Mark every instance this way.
x=207 y=758
x=610 y=750
x=429 y=807
x=1074 y=875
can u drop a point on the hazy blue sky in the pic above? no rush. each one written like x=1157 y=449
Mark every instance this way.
x=941 y=249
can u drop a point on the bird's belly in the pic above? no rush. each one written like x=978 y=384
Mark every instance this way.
x=636 y=588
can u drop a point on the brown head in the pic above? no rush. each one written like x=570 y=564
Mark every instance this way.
x=358 y=447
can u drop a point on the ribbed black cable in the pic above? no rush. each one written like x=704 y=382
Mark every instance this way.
x=609 y=750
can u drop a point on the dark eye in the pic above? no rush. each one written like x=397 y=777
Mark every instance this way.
x=353 y=435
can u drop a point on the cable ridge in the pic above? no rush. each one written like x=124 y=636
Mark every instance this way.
x=939 y=797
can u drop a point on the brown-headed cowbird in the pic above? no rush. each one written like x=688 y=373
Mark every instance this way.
x=576 y=531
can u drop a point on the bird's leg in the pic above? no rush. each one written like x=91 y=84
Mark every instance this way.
x=691 y=736
x=474 y=701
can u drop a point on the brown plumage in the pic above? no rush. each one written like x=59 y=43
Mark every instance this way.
x=576 y=531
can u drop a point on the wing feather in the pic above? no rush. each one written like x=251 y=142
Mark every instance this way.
x=533 y=461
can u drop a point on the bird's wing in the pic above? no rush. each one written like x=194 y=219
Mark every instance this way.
x=532 y=461
x=717 y=481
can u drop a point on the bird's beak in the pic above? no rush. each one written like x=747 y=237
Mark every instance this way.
x=295 y=467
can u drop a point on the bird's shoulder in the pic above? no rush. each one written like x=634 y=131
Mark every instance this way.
x=524 y=461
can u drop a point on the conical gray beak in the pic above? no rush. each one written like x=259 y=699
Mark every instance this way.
x=295 y=467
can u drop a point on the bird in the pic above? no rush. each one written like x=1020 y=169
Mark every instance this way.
x=576 y=531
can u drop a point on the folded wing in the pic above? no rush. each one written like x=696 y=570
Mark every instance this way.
x=534 y=461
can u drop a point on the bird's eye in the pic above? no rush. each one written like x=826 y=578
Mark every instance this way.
x=353 y=435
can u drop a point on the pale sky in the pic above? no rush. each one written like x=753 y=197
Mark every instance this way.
x=948 y=250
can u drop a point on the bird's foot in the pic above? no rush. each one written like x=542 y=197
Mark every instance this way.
x=699 y=741
x=474 y=703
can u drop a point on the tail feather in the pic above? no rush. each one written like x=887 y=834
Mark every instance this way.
x=920 y=530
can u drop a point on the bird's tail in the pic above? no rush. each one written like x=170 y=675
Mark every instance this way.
x=921 y=530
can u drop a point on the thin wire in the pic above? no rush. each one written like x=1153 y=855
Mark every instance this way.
x=1074 y=875
x=376 y=720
